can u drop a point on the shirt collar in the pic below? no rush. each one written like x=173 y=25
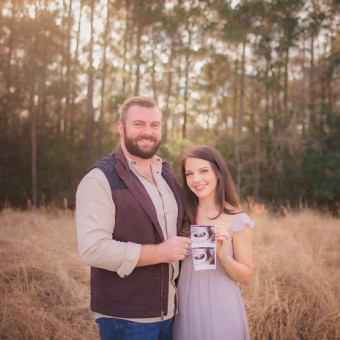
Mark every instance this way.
x=156 y=163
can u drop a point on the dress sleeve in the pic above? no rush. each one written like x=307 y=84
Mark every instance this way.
x=241 y=221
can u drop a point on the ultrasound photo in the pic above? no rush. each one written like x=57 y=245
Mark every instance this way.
x=203 y=247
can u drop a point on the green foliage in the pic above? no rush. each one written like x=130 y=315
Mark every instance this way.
x=322 y=171
x=15 y=171
x=257 y=110
x=322 y=176
x=173 y=152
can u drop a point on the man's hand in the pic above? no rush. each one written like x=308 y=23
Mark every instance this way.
x=171 y=250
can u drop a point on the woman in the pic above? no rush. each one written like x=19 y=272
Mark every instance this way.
x=210 y=302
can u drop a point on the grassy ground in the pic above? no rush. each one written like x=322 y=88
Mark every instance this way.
x=44 y=288
x=294 y=294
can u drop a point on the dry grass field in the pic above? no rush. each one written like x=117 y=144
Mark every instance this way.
x=44 y=288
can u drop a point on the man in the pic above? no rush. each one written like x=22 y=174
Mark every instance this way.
x=128 y=213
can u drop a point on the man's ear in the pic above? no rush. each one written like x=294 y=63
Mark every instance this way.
x=120 y=127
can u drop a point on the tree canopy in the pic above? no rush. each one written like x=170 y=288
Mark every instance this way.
x=257 y=79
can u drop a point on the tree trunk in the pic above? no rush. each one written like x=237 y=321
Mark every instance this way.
x=267 y=93
x=90 y=111
x=153 y=71
x=277 y=105
x=6 y=112
x=304 y=86
x=257 y=174
x=138 y=57
x=235 y=97
x=238 y=144
x=312 y=118
x=33 y=127
x=330 y=67
x=68 y=70
x=187 y=67
x=74 y=70
x=104 y=65
x=168 y=93
x=285 y=104
x=126 y=34
x=10 y=47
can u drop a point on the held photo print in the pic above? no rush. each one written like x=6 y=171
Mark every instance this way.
x=203 y=247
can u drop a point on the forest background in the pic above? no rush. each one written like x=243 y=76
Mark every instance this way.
x=258 y=80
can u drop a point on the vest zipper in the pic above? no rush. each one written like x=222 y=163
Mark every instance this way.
x=176 y=301
x=162 y=312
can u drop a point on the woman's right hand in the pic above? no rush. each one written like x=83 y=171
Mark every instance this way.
x=223 y=243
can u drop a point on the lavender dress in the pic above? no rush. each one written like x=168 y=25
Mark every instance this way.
x=210 y=302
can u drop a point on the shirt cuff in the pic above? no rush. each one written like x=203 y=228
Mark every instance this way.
x=132 y=254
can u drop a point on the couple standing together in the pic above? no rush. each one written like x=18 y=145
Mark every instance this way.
x=133 y=223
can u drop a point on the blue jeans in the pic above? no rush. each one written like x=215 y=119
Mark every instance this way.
x=117 y=329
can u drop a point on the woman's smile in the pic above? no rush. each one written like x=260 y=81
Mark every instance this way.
x=200 y=187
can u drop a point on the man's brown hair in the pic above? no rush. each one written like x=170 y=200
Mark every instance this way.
x=139 y=101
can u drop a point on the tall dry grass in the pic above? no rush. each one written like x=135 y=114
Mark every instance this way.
x=44 y=288
x=295 y=291
x=294 y=295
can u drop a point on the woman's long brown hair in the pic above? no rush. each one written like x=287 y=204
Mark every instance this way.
x=226 y=191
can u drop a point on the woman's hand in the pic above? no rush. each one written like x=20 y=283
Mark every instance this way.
x=240 y=268
x=223 y=243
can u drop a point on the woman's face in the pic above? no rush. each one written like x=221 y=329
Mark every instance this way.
x=201 y=178
x=199 y=234
x=200 y=255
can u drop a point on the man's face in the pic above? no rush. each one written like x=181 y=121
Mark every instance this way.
x=142 y=131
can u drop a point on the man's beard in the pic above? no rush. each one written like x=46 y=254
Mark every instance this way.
x=133 y=148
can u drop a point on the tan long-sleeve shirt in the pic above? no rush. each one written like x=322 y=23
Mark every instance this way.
x=95 y=215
